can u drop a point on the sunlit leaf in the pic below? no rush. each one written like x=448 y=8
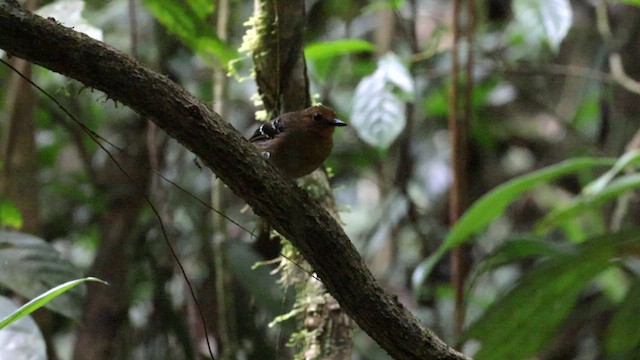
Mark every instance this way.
x=378 y=114
x=9 y=214
x=631 y=2
x=383 y=5
x=327 y=49
x=30 y=266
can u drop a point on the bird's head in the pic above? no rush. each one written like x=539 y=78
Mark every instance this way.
x=319 y=119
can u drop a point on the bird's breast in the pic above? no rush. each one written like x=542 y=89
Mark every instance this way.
x=302 y=155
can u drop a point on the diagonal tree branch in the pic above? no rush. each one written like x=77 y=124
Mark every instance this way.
x=289 y=209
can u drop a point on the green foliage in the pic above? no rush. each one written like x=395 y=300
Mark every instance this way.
x=43 y=299
x=631 y=2
x=189 y=21
x=628 y=159
x=524 y=319
x=383 y=5
x=519 y=324
x=559 y=251
x=595 y=194
x=623 y=334
x=323 y=56
x=493 y=204
x=587 y=117
x=517 y=249
x=9 y=214
x=588 y=202
x=436 y=103
x=329 y=49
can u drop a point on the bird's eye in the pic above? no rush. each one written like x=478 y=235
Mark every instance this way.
x=318 y=117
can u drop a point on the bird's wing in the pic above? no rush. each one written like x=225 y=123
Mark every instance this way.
x=268 y=130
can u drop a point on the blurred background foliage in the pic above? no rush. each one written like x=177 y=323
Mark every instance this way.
x=552 y=230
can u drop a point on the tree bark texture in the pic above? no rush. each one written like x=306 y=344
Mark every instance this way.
x=281 y=72
x=280 y=46
x=223 y=149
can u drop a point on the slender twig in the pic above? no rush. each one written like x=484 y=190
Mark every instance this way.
x=457 y=190
x=615 y=59
x=461 y=255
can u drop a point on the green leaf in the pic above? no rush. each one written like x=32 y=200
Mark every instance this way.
x=589 y=202
x=623 y=335
x=524 y=320
x=188 y=20
x=9 y=214
x=323 y=57
x=43 y=299
x=598 y=185
x=513 y=251
x=493 y=204
x=631 y=2
x=383 y=5
x=31 y=266
x=329 y=49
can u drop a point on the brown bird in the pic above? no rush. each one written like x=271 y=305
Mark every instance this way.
x=298 y=142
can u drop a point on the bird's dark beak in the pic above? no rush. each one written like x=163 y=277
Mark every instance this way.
x=337 y=122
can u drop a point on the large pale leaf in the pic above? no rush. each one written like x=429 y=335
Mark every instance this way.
x=543 y=21
x=30 y=266
x=378 y=113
